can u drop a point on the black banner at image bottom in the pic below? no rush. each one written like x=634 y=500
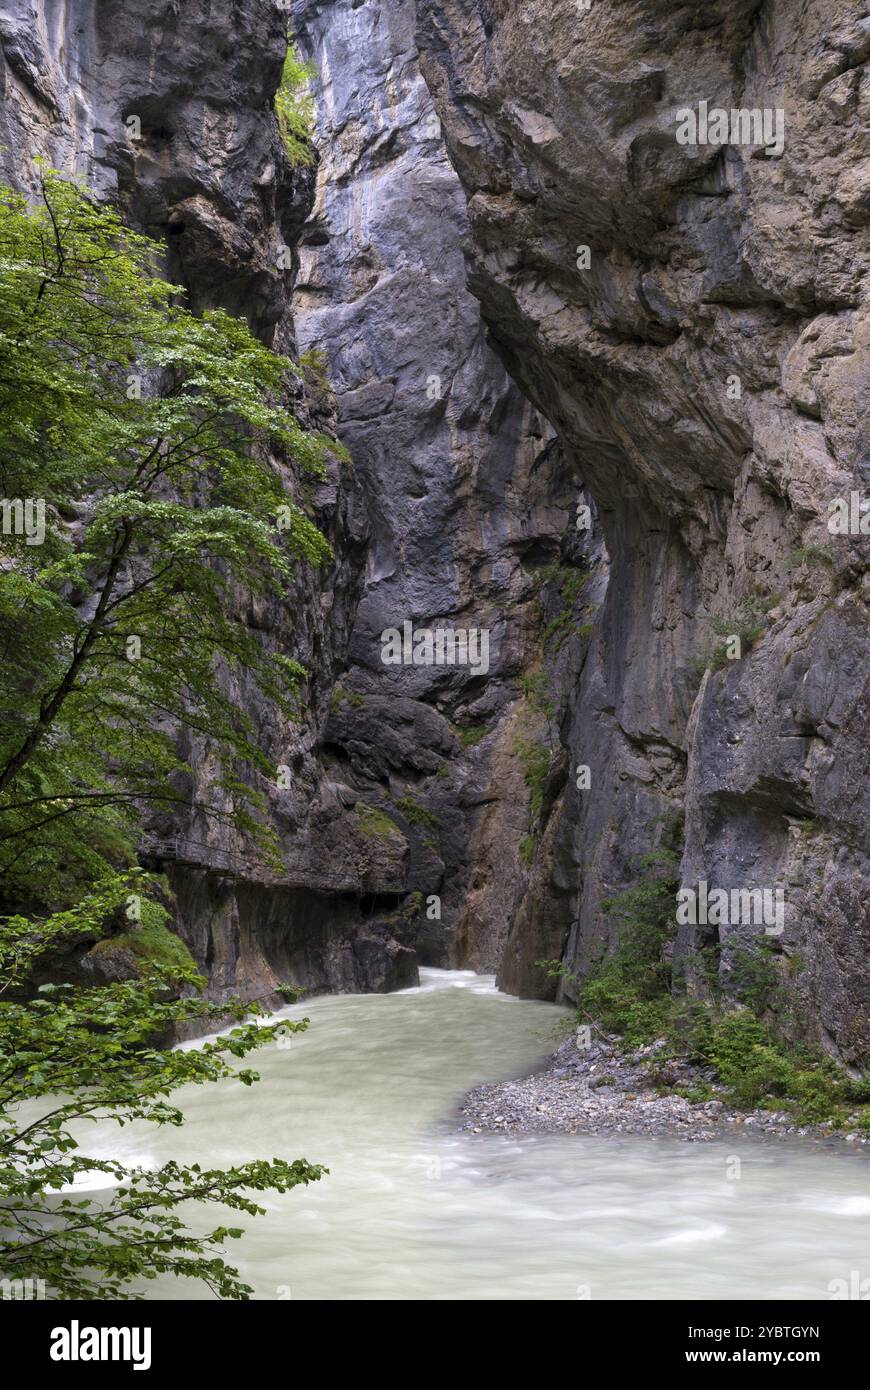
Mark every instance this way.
x=60 y=1340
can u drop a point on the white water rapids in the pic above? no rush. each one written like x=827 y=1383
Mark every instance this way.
x=412 y=1209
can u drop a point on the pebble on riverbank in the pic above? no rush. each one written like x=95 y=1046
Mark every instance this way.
x=602 y=1090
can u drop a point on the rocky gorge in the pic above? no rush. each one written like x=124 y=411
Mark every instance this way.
x=522 y=306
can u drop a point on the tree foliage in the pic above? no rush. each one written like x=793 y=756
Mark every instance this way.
x=148 y=434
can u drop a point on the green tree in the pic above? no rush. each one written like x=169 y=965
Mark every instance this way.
x=149 y=435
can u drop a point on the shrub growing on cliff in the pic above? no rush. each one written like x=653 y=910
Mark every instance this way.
x=535 y=758
x=629 y=990
x=294 y=107
x=421 y=816
x=470 y=735
x=536 y=690
x=375 y=823
x=568 y=583
x=746 y=625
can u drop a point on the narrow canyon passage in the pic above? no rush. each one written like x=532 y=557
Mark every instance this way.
x=466 y=495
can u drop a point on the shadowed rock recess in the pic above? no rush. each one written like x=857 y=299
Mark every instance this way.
x=524 y=297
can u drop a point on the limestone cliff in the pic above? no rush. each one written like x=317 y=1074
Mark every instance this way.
x=705 y=366
x=465 y=486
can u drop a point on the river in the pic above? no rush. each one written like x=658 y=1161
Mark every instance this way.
x=412 y=1209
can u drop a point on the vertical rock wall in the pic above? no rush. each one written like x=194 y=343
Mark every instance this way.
x=709 y=265
x=465 y=489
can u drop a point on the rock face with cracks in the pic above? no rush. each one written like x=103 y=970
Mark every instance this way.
x=704 y=362
x=466 y=489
